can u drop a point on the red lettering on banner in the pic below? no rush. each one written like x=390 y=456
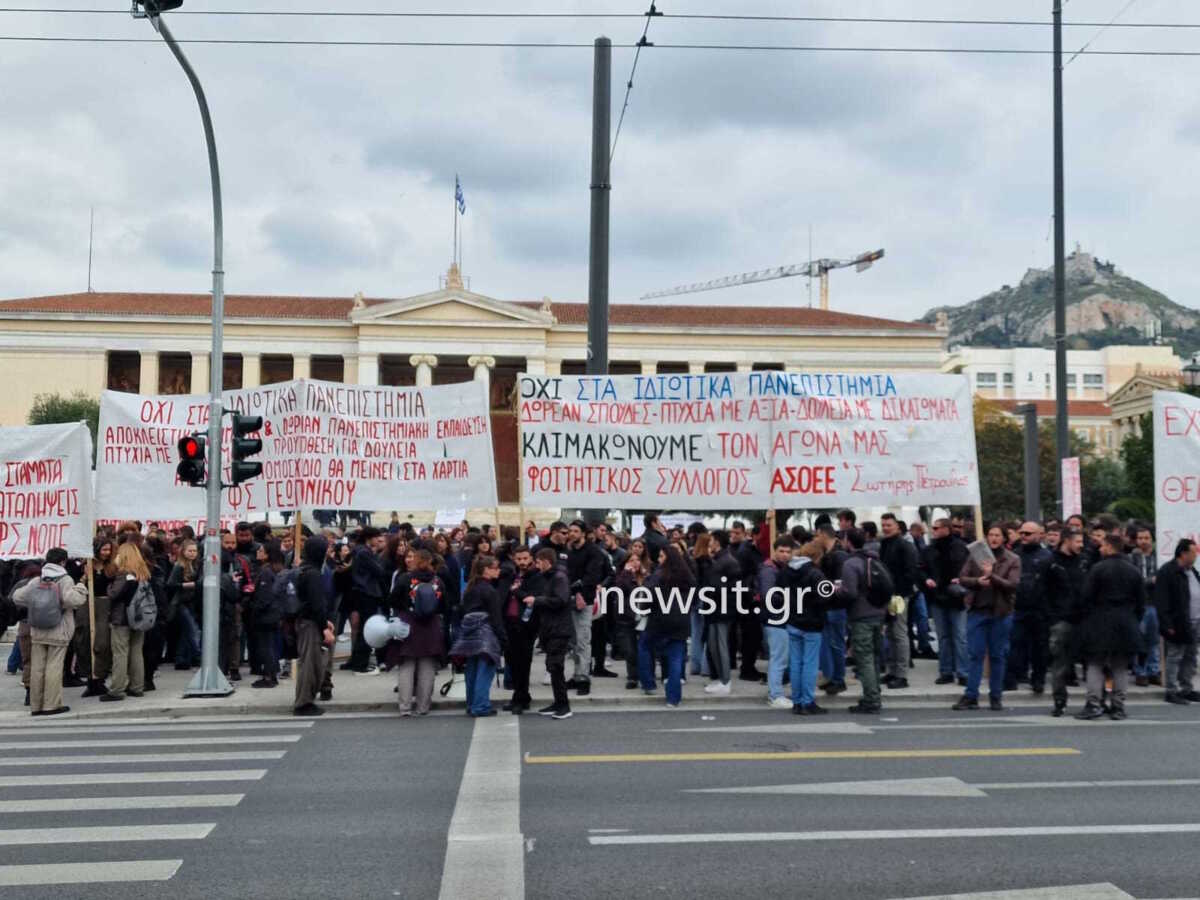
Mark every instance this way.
x=803 y=480
x=1181 y=422
x=1181 y=489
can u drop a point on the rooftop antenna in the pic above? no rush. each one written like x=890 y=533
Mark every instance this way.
x=91 y=232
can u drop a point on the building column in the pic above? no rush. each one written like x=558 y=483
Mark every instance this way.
x=368 y=369
x=200 y=373
x=649 y=366
x=554 y=367
x=745 y=367
x=251 y=370
x=793 y=367
x=301 y=366
x=483 y=366
x=695 y=368
x=424 y=363
x=535 y=365
x=148 y=375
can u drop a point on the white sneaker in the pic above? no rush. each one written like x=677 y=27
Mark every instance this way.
x=721 y=690
x=780 y=703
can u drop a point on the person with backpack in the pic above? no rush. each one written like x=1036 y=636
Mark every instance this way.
x=266 y=614
x=183 y=593
x=312 y=628
x=51 y=600
x=129 y=592
x=418 y=598
x=991 y=575
x=482 y=639
x=865 y=591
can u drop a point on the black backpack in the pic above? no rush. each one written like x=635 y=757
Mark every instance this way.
x=426 y=599
x=880 y=587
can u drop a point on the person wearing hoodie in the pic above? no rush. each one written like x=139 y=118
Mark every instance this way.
x=992 y=584
x=482 y=638
x=866 y=619
x=554 y=610
x=770 y=576
x=312 y=625
x=808 y=596
x=49 y=645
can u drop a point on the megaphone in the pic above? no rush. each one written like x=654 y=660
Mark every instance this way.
x=378 y=630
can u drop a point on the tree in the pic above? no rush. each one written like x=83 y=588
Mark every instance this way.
x=1137 y=456
x=54 y=409
x=1001 y=453
x=1104 y=484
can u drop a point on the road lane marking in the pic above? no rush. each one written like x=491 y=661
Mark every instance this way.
x=89 y=873
x=892 y=787
x=122 y=778
x=765 y=756
x=1128 y=782
x=780 y=728
x=760 y=837
x=1103 y=891
x=105 y=834
x=189 y=740
x=485 y=850
x=121 y=759
x=72 y=720
x=165 y=801
x=69 y=730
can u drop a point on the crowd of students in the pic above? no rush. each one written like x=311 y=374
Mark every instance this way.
x=1033 y=600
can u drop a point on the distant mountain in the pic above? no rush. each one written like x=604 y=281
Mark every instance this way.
x=1103 y=307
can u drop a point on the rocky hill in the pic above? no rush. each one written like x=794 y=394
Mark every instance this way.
x=1103 y=307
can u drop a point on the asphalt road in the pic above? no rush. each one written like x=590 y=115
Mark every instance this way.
x=916 y=803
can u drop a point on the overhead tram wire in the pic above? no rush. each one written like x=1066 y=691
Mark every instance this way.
x=651 y=13
x=769 y=48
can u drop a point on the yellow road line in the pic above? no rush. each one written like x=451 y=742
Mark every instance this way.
x=797 y=755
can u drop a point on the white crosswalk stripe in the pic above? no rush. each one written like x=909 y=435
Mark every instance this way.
x=43 y=766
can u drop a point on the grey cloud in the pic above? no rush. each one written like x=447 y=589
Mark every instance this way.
x=310 y=238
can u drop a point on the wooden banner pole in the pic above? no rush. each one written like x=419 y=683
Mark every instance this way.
x=297 y=541
x=91 y=588
x=520 y=464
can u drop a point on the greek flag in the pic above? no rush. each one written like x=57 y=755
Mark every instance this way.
x=458 y=196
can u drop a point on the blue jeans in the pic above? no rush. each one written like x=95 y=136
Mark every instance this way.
x=804 y=657
x=1147 y=663
x=777 y=659
x=14 y=658
x=833 y=645
x=187 y=648
x=480 y=672
x=653 y=646
x=987 y=635
x=918 y=615
x=699 y=659
x=951 y=625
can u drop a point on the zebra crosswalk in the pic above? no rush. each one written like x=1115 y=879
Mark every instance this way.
x=81 y=803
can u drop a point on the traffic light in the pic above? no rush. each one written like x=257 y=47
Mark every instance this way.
x=154 y=7
x=243 y=447
x=191 y=460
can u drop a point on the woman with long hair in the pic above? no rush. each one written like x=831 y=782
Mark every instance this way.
x=481 y=636
x=625 y=635
x=416 y=657
x=667 y=625
x=702 y=554
x=183 y=595
x=128 y=670
x=93 y=652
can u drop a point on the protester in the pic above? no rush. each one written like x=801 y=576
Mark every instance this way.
x=808 y=593
x=418 y=598
x=556 y=627
x=1029 y=645
x=1113 y=597
x=1147 y=669
x=992 y=580
x=267 y=611
x=833 y=638
x=50 y=600
x=631 y=575
x=312 y=620
x=184 y=596
x=865 y=616
x=722 y=576
x=586 y=569
x=520 y=625
x=1177 y=597
x=942 y=560
x=482 y=639
x=667 y=624
x=128 y=674
x=776 y=633
x=900 y=557
x=1064 y=612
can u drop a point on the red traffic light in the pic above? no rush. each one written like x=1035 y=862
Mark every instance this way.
x=189 y=447
x=191 y=459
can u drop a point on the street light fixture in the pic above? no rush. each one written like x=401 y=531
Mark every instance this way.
x=1191 y=372
x=209 y=681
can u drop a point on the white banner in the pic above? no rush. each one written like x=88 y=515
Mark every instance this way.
x=45 y=490
x=1176 y=470
x=1072 y=488
x=325 y=446
x=750 y=440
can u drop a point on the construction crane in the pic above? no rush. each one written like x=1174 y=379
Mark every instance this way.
x=817 y=268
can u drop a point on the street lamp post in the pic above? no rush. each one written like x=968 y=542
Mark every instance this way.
x=1191 y=373
x=209 y=681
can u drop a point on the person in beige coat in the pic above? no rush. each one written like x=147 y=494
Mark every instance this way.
x=49 y=645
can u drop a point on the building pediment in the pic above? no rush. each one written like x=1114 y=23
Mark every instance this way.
x=1138 y=387
x=450 y=305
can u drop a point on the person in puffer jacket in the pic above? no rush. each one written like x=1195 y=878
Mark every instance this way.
x=50 y=644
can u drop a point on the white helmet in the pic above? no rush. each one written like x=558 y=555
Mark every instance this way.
x=377 y=631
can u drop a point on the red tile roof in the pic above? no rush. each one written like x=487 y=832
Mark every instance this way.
x=1048 y=408
x=244 y=306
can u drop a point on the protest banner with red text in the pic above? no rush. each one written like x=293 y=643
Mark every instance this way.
x=1176 y=470
x=325 y=446
x=747 y=440
x=45 y=490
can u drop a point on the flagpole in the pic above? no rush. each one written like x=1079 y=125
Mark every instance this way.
x=454 y=254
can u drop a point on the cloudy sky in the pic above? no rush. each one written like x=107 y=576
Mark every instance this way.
x=338 y=163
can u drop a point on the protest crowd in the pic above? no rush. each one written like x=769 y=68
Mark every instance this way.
x=1060 y=605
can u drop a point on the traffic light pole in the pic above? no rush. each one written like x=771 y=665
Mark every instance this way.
x=210 y=681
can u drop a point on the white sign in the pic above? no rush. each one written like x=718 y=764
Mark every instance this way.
x=449 y=518
x=1072 y=487
x=45 y=490
x=1176 y=470
x=750 y=440
x=325 y=446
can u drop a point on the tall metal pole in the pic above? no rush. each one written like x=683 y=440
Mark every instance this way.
x=1033 y=486
x=210 y=681
x=1062 y=432
x=601 y=189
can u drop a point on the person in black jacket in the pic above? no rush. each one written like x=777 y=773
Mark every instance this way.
x=1177 y=597
x=481 y=637
x=668 y=623
x=942 y=560
x=311 y=623
x=367 y=579
x=521 y=627
x=809 y=592
x=556 y=627
x=267 y=615
x=587 y=567
x=721 y=576
x=1113 y=598
x=900 y=557
x=1064 y=612
x=1029 y=645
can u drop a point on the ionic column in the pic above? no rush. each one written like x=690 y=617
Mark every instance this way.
x=482 y=366
x=251 y=370
x=368 y=369
x=424 y=363
x=148 y=374
x=201 y=373
x=301 y=366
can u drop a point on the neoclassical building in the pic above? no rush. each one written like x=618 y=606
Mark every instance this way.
x=159 y=343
